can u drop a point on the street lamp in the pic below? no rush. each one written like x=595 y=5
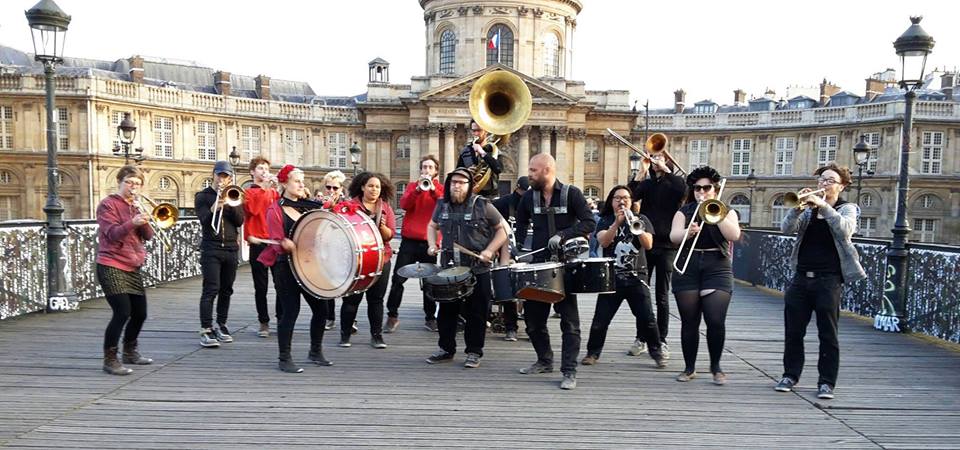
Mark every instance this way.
x=634 y=166
x=355 y=157
x=861 y=154
x=234 y=157
x=126 y=132
x=752 y=184
x=48 y=28
x=912 y=46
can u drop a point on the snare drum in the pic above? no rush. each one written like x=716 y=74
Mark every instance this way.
x=575 y=247
x=591 y=276
x=338 y=253
x=503 y=291
x=541 y=282
x=449 y=284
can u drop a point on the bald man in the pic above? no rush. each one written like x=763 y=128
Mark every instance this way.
x=558 y=212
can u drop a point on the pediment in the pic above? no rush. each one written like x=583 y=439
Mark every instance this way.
x=459 y=90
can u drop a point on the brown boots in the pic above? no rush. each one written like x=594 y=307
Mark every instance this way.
x=111 y=364
x=132 y=356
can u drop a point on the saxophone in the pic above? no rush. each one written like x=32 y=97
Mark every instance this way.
x=482 y=171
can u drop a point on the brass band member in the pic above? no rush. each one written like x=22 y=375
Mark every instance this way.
x=332 y=192
x=823 y=258
x=371 y=193
x=471 y=221
x=626 y=241
x=257 y=198
x=218 y=255
x=507 y=207
x=419 y=205
x=122 y=230
x=563 y=215
x=481 y=150
x=281 y=216
x=705 y=288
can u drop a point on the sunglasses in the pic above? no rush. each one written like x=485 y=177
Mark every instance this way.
x=332 y=188
x=702 y=187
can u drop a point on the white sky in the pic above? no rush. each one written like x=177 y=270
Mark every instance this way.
x=708 y=48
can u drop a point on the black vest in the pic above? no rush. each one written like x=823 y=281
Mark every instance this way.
x=465 y=225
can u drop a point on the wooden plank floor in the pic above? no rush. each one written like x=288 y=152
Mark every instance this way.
x=894 y=390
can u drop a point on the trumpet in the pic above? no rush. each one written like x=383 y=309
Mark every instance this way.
x=636 y=225
x=793 y=199
x=709 y=212
x=656 y=144
x=162 y=216
x=426 y=184
x=232 y=196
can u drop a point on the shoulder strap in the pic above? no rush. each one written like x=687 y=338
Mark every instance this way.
x=292 y=213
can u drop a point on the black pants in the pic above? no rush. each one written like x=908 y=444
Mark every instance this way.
x=411 y=251
x=288 y=294
x=535 y=314
x=219 y=269
x=259 y=272
x=637 y=296
x=331 y=305
x=660 y=260
x=474 y=309
x=804 y=296
x=510 y=316
x=351 y=303
x=128 y=310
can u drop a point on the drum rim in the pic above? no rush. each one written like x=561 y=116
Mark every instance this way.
x=536 y=267
x=351 y=279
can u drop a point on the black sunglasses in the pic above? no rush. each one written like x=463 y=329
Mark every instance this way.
x=332 y=188
x=702 y=187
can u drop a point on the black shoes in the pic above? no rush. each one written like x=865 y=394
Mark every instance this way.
x=316 y=355
x=440 y=357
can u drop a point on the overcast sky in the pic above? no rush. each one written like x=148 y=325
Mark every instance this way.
x=708 y=48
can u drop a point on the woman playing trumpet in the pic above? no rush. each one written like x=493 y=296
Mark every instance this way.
x=704 y=289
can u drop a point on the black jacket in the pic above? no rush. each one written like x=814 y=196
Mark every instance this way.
x=578 y=221
x=229 y=230
x=507 y=205
x=660 y=199
x=468 y=158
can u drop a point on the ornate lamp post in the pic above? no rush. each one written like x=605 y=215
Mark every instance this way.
x=861 y=154
x=48 y=27
x=126 y=132
x=355 y=157
x=634 y=165
x=234 y=157
x=912 y=46
x=752 y=184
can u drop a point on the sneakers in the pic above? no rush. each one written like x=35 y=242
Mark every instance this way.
x=661 y=362
x=719 y=378
x=825 y=392
x=208 y=339
x=439 y=357
x=589 y=360
x=569 y=382
x=431 y=325
x=392 y=324
x=638 y=348
x=472 y=361
x=353 y=328
x=222 y=334
x=786 y=384
x=264 y=330
x=344 y=341
x=686 y=376
x=377 y=342
x=664 y=350
x=511 y=336
x=288 y=366
x=537 y=367
x=329 y=324
x=316 y=355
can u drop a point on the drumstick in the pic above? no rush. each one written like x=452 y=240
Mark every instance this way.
x=528 y=254
x=465 y=250
x=270 y=241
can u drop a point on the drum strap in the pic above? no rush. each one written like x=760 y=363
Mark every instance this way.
x=292 y=213
x=550 y=211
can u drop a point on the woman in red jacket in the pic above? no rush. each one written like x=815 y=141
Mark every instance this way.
x=123 y=229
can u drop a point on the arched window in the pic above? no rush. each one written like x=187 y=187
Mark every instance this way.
x=5 y=177
x=591 y=191
x=403 y=147
x=400 y=187
x=500 y=45
x=164 y=183
x=207 y=182
x=741 y=204
x=779 y=211
x=866 y=200
x=591 y=151
x=928 y=201
x=448 y=52
x=551 y=55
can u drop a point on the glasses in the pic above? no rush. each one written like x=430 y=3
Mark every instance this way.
x=828 y=181
x=703 y=187
x=133 y=182
x=621 y=198
x=332 y=188
x=460 y=182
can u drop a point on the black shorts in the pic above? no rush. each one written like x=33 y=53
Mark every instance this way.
x=707 y=270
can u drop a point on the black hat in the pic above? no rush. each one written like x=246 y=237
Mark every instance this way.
x=523 y=183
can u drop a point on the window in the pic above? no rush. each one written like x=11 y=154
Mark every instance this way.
x=706 y=108
x=8 y=207
x=207 y=141
x=925 y=230
x=448 y=52
x=337 y=142
x=874 y=140
x=928 y=201
x=741 y=157
x=866 y=200
x=699 y=153
x=591 y=192
x=63 y=129
x=398 y=192
x=500 y=45
x=293 y=146
x=115 y=118
x=779 y=211
x=591 y=152
x=741 y=204
x=6 y=127
x=826 y=150
x=403 y=147
x=868 y=226
x=551 y=55
x=784 y=148
x=5 y=177
x=207 y=182
x=932 y=153
x=249 y=142
x=164 y=183
x=163 y=137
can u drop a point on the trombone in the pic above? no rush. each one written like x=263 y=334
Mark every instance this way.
x=793 y=200
x=233 y=196
x=710 y=212
x=163 y=216
x=657 y=143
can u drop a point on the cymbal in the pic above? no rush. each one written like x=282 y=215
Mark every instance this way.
x=418 y=270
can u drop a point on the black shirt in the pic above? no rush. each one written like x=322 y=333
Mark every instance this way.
x=710 y=235
x=660 y=198
x=468 y=158
x=817 y=251
x=631 y=265
x=578 y=221
x=227 y=238
x=474 y=233
x=507 y=205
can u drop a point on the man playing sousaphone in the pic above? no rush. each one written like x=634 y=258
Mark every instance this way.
x=469 y=221
x=479 y=153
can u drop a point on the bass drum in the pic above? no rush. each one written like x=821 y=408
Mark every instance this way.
x=338 y=253
x=540 y=282
x=591 y=276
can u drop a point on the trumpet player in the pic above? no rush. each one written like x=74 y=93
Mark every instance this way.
x=704 y=289
x=418 y=200
x=823 y=259
x=219 y=248
x=257 y=198
x=479 y=149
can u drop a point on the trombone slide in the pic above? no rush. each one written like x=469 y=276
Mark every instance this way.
x=708 y=212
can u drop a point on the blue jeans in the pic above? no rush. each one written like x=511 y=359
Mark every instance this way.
x=818 y=294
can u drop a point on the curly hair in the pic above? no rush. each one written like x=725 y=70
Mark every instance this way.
x=699 y=173
x=842 y=171
x=356 y=185
x=336 y=175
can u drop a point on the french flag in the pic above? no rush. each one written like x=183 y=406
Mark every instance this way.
x=494 y=41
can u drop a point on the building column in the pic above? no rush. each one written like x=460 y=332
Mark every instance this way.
x=385 y=151
x=523 y=151
x=611 y=161
x=544 y=139
x=433 y=131
x=577 y=135
x=415 y=144
x=563 y=159
x=449 y=149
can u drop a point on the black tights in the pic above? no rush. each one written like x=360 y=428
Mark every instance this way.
x=713 y=309
x=129 y=310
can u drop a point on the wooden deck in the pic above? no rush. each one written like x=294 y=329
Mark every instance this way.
x=894 y=390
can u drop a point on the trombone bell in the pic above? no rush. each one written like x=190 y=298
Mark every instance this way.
x=500 y=102
x=234 y=195
x=656 y=143
x=713 y=212
x=165 y=215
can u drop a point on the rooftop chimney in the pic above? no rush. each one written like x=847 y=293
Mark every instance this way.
x=827 y=89
x=947 y=82
x=739 y=97
x=263 y=87
x=221 y=82
x=136 y=69
x=679 y=100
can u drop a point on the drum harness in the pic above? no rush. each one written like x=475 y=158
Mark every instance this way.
x=550 y=211
x=456 y=220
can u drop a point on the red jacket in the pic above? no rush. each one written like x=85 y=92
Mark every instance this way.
x=419 y=207
x=256 y=200
x=120 y=241
x=274 y=219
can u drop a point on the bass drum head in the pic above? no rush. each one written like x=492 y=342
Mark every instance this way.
x=325 y=261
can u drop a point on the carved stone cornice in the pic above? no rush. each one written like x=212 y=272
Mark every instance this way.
x=610 y=140
x=720 y=139
x=522 y=10
x=523 y=132
x=433 y=129
x=500 y=10
x=577 y=133
x=428 y=17
x=462 y=10
x=537 y=12
x=477 y=10
x=561 y=131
